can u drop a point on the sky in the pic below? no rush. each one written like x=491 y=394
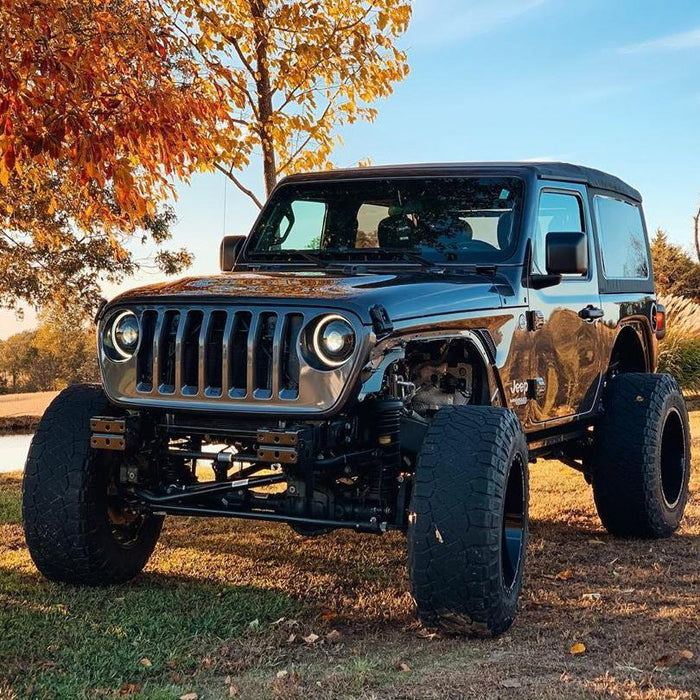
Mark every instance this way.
x=613 y=84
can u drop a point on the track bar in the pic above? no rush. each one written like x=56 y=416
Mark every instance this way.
x=207 y=490
x=375 y=528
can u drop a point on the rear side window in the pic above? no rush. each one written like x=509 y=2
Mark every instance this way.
x=622 y=239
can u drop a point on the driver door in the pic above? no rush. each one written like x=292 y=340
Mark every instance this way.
x=567 y=363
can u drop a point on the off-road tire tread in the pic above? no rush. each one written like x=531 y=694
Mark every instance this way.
x=625 y=467
x=458 y=492
x=64 y=522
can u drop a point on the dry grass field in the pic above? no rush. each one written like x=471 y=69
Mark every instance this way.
x=235 y=609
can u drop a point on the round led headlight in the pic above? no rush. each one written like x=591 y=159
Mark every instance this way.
x=125 y=334
x=334 y=340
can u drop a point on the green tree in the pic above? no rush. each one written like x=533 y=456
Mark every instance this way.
x=61 y=351
x=675 y=271
x=15 y=359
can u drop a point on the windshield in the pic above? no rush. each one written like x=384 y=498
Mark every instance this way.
x=463 y=220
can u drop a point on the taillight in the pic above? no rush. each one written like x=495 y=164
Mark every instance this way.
x=659 y=320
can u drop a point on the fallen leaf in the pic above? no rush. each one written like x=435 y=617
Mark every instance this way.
x=189 y=696
x=291 y=639
x=328 y=615
x=577 y=648
x=593 y=540
x=438 y=536
x=52 y=647
x=283 y=673
x=334 y=637
x=254 y=624
x=311 y=638
x=674 y=658
x=591 y=596
x=278 y=622
x=146 y=663
x=232 y=691
x=129 y=689
x=172 y=663
x=404 y=667
x=425 y=634
x=564 y=575
x=206 y=662
x=511 y=683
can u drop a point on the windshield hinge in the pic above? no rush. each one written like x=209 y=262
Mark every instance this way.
x=380 y=320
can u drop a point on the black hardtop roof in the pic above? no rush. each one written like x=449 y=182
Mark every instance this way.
x=543 y=170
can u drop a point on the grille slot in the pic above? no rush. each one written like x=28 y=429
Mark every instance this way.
x=238 y=351
x=229 y=354
x=164 y=352
x=263 y=352
x=144 y=366
x=189 y=353
x=289 y=360
x=213 y=354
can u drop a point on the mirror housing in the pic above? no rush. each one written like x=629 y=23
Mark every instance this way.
x=229 y=251
x=566 y=253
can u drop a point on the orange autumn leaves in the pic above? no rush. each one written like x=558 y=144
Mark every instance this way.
x=293 y=71
x=102 y=91
x=105 y=104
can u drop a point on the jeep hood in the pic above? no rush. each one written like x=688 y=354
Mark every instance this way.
x=404 y=294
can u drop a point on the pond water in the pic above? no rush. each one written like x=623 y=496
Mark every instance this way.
x=13 y=452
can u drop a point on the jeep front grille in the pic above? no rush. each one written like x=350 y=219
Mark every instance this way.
x=228 y=357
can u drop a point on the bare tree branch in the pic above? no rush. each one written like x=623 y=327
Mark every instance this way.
x=229 y=174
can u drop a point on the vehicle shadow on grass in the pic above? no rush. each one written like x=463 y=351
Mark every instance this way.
x=65 y=638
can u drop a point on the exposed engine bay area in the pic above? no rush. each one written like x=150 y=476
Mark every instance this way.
x=434 y=375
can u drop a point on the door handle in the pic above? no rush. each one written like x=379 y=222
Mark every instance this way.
x=591 y=313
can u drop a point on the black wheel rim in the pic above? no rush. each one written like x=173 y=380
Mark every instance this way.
x=513 y=530
x=673 y=459
x=124 y=523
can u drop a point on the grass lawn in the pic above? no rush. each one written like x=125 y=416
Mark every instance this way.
x=237 y=609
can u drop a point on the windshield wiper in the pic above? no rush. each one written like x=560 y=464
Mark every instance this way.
x=283 y=256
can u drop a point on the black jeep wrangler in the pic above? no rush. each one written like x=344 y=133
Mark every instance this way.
x=387 y=350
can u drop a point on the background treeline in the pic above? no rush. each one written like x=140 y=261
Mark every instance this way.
x=60 y=352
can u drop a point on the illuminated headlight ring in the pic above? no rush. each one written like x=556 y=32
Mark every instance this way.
x=333 y=340
x=124 y=334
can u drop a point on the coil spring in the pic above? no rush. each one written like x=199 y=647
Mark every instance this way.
x=388 y=427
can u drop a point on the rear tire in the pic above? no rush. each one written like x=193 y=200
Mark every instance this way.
x=75 y=527
x=467 y=532
x=641 y=467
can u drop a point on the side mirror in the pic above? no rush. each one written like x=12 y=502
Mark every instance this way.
x=229 y=251
x=566 y=253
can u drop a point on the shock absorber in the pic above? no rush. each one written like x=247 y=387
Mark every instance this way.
x=388 y=423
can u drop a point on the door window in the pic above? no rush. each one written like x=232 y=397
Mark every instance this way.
x=557 y=212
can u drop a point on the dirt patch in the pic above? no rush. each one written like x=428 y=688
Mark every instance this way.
x=20 y=413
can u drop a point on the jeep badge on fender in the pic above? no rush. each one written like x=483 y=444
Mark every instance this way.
x=390 y=347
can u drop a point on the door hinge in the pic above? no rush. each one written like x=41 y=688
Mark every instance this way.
x=535 y=320
x=536 y=388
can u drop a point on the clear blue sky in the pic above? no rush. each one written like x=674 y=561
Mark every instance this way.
x=614 y=84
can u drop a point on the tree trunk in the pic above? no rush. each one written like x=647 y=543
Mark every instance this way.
x=264 y=95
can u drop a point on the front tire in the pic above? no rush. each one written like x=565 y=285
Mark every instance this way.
x=467 y=532
x=641 y=467
x=76 y=528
